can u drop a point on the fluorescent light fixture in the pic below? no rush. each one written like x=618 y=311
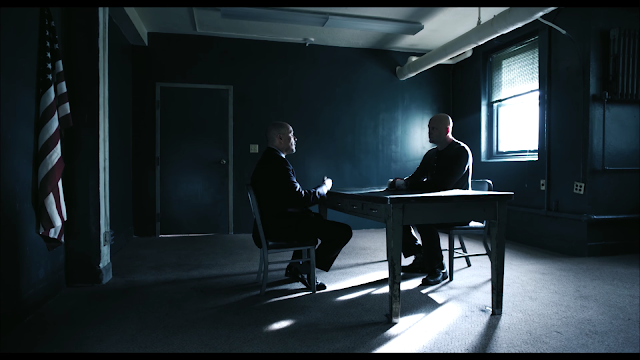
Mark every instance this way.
x=322 y=20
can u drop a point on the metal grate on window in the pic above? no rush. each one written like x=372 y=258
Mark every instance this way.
x=514 y=71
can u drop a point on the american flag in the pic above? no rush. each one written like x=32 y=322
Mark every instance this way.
x=54 y=115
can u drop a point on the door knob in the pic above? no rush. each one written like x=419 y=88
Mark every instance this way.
x=223 y=161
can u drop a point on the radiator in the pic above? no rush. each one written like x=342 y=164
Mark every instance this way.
x=623 y=64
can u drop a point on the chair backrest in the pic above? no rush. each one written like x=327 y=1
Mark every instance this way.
x=256 y=214
x=482 y=185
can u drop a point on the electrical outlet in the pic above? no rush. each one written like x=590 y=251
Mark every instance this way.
x=543 y=184
x=253 y=148
x=578 y=187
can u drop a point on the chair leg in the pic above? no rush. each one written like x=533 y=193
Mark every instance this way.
x=312 y=273
x=451 y=251
x=464 y=249
x=265 y=276
x=485 y=238
x=260 y=266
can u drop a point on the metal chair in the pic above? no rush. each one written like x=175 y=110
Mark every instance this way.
x=474 y=228
x=270 y=247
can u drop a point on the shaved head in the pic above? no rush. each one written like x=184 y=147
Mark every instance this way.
x=280 y=136
x=274 y=129
x=440 y=126
x=442 y=120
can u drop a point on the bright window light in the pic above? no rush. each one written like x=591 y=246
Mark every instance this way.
x=511 y=130
x=517 y=123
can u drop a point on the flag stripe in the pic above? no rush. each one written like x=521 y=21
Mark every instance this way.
x=49 y=146
x=64 y=109
x=48 y=182
x=55 y=112
x=52 y=210
x=47 y=99
x=63 y=206
x=61 y=88
x=48 y=162
x=48 y=129
x=60 y=76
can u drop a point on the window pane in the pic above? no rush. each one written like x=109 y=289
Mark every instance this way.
x=514 y=71
x=517 y=122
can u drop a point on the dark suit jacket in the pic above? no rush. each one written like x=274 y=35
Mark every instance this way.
x=282 y=202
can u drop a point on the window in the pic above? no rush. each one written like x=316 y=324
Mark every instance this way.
x=514 y=103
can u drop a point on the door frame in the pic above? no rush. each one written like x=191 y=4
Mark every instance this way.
x=230 y=142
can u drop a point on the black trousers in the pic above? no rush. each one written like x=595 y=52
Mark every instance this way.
x=333 y=237
x=430 y=248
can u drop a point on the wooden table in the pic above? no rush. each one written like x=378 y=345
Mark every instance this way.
x=397 y=208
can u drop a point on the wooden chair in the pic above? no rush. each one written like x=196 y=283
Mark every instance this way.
x=474 y=228
x=270 y=247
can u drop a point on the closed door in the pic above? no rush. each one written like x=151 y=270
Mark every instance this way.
x=194 y=161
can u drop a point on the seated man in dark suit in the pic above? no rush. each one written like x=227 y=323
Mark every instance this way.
x=284 y=206
x=445 y=167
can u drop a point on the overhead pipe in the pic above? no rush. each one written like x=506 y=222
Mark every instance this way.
x=453 y=60
x=506 y=21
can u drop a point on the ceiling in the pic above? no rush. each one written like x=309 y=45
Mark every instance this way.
x=441 y=25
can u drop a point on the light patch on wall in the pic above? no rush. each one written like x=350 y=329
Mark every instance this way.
x=418 y=138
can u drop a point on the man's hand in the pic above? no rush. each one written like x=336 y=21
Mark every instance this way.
x=397 y=184
x=401 y=184
x=328 y=183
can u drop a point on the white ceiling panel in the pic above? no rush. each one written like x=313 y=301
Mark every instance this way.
x=441 y=25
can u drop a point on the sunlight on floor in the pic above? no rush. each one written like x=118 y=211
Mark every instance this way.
x=355 y=294
x=279 y=325
x=288 y=296
x=404 y=285
x=356 y=281
x=415 y=331
x=437 y=297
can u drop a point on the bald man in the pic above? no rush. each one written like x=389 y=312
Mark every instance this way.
x=284 y=206
x=447 y=166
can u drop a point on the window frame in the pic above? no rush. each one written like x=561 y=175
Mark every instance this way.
x=489 y=129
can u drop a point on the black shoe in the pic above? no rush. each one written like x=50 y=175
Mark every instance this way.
x=417 y=266
x=319 y=286
x=435 y=277
x=294 y=273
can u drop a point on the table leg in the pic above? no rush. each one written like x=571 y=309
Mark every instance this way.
x=497 y=232
x=394 y=252
x=322 y=210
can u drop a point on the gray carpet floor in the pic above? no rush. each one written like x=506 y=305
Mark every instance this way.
x=198 y=294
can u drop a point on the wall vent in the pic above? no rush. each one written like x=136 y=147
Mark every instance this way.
x=623 y=78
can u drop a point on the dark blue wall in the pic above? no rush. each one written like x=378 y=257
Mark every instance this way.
x=355 y=121
x=31 y=275
x=81 y=174
x=571 y=79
